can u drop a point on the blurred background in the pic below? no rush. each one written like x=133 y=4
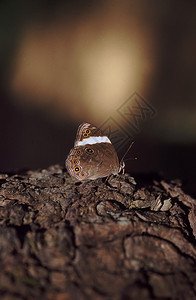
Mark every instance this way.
x=67 y=62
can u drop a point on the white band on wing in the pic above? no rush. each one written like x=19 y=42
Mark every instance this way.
x=93 y=140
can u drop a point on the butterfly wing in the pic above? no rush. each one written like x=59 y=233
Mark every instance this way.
x=92 y=161
x=87 y=131
x=93 y=155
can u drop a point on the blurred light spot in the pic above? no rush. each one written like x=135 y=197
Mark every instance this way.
x=84 y=69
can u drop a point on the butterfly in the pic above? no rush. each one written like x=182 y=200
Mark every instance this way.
x=93 y=155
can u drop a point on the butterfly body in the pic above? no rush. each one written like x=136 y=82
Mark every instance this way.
x=93 y=155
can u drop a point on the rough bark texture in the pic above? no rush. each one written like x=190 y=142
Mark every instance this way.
x=114 y=239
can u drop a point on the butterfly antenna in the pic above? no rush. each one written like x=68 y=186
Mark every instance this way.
x=131 y=158
x=127 y=151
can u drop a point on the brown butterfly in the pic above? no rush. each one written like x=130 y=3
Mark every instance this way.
x=93 y=155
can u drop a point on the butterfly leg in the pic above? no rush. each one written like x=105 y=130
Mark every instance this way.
x=108 y=178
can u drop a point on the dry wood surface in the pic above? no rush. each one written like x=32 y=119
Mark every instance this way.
x=121 y=238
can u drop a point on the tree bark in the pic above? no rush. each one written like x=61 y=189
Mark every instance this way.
x=121 y=238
